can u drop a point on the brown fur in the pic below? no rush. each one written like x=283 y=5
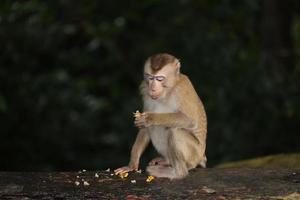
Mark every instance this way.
x=158 y=61
x=175 y=123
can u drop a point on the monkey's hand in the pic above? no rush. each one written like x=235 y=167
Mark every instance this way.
x=143 y=120
x=125 y=169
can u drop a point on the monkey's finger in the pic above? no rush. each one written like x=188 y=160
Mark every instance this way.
x=118 y=171
x=140 y=126
x=136 y=120
x=122 y=170
x=139 y=123
x=151 y=163
x=142 y=118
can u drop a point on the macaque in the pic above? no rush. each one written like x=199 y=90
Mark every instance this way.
x=174 y=120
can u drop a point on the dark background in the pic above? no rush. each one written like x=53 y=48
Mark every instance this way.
x=70 y=71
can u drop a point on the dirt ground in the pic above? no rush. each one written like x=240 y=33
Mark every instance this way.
x=221 y=184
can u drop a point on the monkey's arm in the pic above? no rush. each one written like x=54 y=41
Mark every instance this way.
x=172 y=120
x=141 y=142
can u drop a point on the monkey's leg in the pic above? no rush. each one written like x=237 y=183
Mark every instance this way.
x=178 y=170
x=181 y=146
x=159 y=161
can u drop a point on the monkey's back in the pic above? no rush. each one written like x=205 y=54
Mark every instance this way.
x=191 y=105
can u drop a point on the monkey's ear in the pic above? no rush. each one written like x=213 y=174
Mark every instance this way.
x=177 y=65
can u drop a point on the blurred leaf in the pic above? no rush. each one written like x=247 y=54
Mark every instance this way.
x=3 y=105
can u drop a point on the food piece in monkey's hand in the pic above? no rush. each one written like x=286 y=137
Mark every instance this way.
x=140 y=120
x=137 y=114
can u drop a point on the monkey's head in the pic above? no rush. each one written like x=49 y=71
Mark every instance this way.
x=161 y=72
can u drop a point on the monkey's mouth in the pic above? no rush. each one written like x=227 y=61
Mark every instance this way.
x=154 y=97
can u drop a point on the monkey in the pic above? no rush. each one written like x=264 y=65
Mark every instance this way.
x=173 y=119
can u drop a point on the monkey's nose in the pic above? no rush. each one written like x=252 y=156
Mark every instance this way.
x=152 y=88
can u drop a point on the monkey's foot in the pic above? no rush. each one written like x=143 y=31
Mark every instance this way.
x=159 y=161
x=203 y=162
x=164 y=172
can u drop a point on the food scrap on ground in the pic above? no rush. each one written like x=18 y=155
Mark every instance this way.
x=139 y=171
x=77 y=183
x=96 y=175
x=85 y=183
x=107 y=170
x=149 y=179
x=208 y=190
x=133 y=181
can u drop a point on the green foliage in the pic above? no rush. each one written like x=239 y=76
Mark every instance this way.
x=70 y=72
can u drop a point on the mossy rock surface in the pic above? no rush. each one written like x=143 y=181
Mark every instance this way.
x=291 y=161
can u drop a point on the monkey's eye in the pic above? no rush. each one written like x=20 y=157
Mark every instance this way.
x=159 y=78
x=148 y=77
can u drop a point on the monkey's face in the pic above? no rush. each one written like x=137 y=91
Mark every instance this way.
x=155 y=85
x=159 y=82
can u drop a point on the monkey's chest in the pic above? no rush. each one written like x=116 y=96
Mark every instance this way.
x=159 y=138
x=159 y=134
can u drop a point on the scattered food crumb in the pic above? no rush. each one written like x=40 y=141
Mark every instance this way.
x=133 y=181
x=112 y=174
x=149 y=179
x=77 y=183
x=83 y=170
x=77 y=177
x=139 y=171
x=107 y=170
x=208 y=190
x=85 y=183
x=96 y=175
